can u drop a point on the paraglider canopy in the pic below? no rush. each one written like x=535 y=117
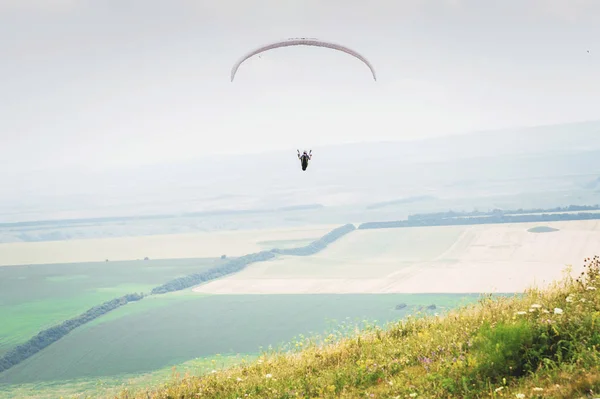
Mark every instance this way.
x=302 y=41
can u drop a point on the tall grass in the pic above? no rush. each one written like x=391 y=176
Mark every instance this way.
x=543 y=344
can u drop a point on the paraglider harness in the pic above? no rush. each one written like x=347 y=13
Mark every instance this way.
x=304 y=158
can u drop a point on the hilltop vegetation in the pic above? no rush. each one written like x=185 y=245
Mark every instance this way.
x=541 y=344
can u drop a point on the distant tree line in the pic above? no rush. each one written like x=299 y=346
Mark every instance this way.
x=238 y=264
x=230 y=267
x=495 y=219
x=496 y=212
x=53 y=334
x=317 y=245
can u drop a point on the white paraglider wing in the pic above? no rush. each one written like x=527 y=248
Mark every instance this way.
x=302 y=42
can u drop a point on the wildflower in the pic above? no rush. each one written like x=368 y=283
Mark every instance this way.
x=536 y=389
x=591 y=288
x=269 y=376
x=520 y=395
x=521 y=312
x=239 y=379
x=536 y=306
x=498 y=389
x=214 y=371
x=569 y=298
x=546 y=311
x=413 y=395
x=558 y=311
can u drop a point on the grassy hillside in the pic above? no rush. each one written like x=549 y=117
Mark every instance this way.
x=541 y=344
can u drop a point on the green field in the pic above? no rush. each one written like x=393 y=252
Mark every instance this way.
x=167 y=330
x=35 y=297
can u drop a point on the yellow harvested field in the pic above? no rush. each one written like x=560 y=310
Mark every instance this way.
x=449 y=259
x=172 y=246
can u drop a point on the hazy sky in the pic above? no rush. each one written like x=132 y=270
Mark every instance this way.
x=124 y=82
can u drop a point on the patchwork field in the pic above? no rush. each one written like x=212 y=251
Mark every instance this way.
x=375 y=274
x=170 y=329
x=37 y=297
x=447 y=259
x=171 y=246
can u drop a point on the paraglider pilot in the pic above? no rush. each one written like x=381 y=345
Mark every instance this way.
x=304 y=158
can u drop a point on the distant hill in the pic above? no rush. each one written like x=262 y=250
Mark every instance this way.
x=508 y=162
x=569 y=137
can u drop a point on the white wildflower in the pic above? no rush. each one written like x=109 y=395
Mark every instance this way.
x=546 y=311
x=238 y=379
x=498 y=389
x=558 y=311
x=214 y=371
x=269 y=376
x=536 y=306
x=582 y=300
x=413 y=395
x=590 y=288
x=521 y=312
x=520 y=395
x=569 y=298
x=536 y=389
